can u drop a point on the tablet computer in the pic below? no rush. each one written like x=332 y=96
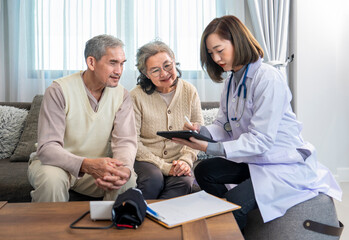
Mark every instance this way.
x=185 y=134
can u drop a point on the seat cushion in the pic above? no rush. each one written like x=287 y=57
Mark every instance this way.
x=14 y=184
x=290 y=226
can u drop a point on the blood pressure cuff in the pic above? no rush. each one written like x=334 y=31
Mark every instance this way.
x=129 y=209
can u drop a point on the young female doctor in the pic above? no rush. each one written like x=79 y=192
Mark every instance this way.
x=258 y=145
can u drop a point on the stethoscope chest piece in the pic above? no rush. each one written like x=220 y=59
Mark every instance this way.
x=227 y=127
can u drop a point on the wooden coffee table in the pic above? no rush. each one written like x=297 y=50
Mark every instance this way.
x=51 y=221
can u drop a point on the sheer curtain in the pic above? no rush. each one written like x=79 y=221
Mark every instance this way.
x=270 y=20
x=42 y=40
x=2 y=53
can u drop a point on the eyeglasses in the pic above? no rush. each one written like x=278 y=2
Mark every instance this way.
x=155 y=72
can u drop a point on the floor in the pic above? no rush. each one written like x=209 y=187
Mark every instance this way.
x=343 y=210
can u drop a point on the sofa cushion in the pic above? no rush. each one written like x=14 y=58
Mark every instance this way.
x=209 y=116
x=29 y=136
x=290 y=226
x=14 y=184
x=11 y=126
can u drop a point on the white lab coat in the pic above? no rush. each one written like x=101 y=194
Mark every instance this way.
x=283 y=167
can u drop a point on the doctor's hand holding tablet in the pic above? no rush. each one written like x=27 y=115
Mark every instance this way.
x=192 y=141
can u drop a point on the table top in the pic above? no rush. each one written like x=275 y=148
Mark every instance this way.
x=2 y=204
x=51 y=220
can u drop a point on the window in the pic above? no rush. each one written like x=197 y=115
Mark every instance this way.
x=63 y=27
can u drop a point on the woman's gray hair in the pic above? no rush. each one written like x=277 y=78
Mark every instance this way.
x=97 y=46
x=146 y=51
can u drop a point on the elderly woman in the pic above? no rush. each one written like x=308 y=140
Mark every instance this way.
x=161 y=101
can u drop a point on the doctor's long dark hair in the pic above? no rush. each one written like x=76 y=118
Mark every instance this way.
x=145 y=52
x=246 y=47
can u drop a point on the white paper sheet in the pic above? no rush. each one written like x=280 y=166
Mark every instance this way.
x=190 y=207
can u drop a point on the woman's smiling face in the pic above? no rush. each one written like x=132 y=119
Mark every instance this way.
x=162 y=72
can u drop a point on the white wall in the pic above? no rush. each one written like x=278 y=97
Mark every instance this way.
x=321 y=79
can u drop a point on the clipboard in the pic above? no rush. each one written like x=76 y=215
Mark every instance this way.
x=180 y=210
x=184 y=134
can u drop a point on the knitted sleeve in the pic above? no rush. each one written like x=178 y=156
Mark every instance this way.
x=143 y=152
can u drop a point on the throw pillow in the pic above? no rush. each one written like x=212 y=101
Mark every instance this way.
x=29 y=136
x=11 y=127
x=209 y=116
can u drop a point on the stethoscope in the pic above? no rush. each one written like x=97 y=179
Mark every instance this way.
x=227 y=126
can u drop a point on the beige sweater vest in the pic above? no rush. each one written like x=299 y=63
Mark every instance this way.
x=87 y=133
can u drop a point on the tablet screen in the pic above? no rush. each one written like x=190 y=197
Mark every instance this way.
x=184 y=134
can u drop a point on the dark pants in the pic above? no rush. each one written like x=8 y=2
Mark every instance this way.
x=154 y=185
x=212 y=174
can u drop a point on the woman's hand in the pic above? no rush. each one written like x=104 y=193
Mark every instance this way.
x=194 y=126
x=193 y=143
x=180 y=168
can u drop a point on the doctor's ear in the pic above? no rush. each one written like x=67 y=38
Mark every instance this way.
x=91 y=63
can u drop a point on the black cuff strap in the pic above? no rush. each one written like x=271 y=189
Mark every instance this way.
x=323 y=228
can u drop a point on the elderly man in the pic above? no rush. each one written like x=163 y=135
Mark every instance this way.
x=86 y=135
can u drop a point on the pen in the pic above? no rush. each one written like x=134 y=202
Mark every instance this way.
x=188 y=121
x=153 y=213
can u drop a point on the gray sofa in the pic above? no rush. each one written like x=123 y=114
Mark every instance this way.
x=14 y=185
